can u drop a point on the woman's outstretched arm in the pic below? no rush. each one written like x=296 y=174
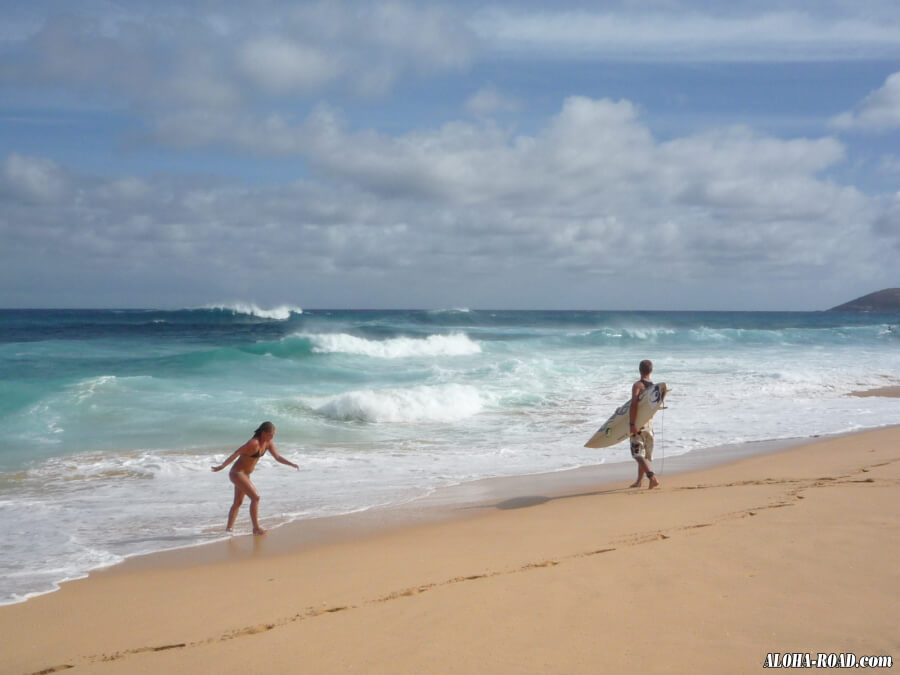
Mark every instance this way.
x=279 y=458
x=234 y=455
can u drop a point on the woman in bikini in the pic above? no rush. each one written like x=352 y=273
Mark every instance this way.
x=247 y=456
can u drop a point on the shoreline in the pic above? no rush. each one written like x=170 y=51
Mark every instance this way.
x=444 y=504
x=266 y=600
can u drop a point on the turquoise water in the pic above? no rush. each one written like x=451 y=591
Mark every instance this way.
x=110 y=419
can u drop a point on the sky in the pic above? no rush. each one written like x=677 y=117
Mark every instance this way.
x=655 y=155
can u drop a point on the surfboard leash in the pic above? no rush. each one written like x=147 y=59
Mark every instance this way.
x=662 y=438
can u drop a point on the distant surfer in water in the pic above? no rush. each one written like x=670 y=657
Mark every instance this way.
x=642 y=439
x=247 y=456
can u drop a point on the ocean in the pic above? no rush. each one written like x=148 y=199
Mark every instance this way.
x=111 y=419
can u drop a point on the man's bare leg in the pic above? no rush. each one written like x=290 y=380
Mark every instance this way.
x=645 y=468
x=641 y=471
x=648 y=469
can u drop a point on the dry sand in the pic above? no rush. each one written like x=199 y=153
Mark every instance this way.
x=794 y=551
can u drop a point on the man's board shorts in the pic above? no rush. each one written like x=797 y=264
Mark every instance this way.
x=642 y=442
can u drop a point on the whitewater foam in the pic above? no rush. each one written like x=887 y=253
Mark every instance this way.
x=444 y=403
x=454 y=344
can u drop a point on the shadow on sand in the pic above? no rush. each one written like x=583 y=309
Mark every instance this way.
x=536 y=500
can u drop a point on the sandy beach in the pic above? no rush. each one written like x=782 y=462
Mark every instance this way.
x=790 y=551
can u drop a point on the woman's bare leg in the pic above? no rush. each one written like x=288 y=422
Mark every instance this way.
x=235 y=507
x=243 y=485
x=254 y=517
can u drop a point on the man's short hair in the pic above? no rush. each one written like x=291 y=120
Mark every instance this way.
x=646 y=367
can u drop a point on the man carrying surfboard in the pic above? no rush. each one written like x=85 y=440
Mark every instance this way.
x=642 y=439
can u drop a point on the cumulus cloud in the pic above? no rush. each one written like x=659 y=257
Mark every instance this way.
x=32 y=179
x=489 y=101
x=408 y=210
x=283 y=65
x=163 y=58
x=879 y=111
x=465 y=202
x=593 y=152
x=434 y=35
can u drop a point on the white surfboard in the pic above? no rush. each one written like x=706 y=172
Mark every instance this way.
x=617 y=426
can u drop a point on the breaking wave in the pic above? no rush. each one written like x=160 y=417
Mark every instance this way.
x=280 y=313
x=446 y=403
x=455 y=344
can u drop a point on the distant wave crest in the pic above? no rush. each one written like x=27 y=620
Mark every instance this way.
x=446 y=403
x=455 y=344
x=280 y=313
